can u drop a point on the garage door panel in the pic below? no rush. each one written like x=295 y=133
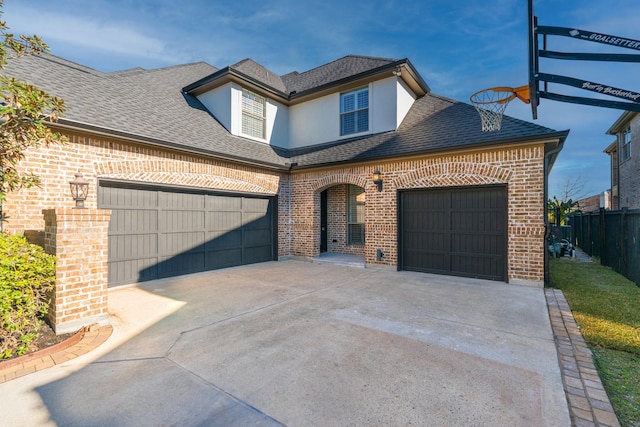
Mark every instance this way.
x=483 y=266
x=184 y=263
x=223 y=258
x=256 y=254
x=172 y=244
x=219 y=240
x=223 y=203
x=255 y=205
x=427 y=261
x=111 y=197
x=224 y=221
x=128 y=221
x=460 y=231
x=133 y=246
x=182 y=220
x=256 y=220
x=180 y=200
x=141 y=269
x=258 y=238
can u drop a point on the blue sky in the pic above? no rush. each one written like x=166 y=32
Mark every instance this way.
x=459 y=47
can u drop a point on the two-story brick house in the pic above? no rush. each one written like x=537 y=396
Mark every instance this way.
x=205 y=168
x=625 y=161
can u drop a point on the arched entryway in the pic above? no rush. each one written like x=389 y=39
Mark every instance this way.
x=342 y=212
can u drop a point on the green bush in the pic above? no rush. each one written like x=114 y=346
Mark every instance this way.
x=27 y=277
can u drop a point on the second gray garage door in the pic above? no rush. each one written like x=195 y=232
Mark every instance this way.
x=161 y=232
x=456 y=231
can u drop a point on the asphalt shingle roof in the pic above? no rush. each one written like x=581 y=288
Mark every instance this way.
x=347 y=66
x=256 y=71
x=145 y=104
x=149 y=105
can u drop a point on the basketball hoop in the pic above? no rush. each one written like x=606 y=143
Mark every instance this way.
x=491 y=103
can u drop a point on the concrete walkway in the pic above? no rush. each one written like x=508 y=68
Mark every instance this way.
x=300 y=343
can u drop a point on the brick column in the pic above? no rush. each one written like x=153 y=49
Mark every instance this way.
x=79 y=240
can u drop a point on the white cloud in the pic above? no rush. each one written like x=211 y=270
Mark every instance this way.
x=117 y=38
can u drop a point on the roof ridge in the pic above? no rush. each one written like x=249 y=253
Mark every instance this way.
x=243 y=61
x=168 y=67
x=378 y=58
x=341 y=58
x=68 y=63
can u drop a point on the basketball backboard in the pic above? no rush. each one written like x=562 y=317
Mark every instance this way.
x=536 y=77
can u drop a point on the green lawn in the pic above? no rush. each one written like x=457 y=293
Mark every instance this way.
x=606 y=306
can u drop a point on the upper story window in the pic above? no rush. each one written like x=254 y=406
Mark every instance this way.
x=253 y=114
x=625 y=152
x=354 y=111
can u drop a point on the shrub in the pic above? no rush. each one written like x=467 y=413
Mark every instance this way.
x=27 y=277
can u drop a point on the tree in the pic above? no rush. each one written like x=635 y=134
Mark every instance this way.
x=571 y=188
x=559 y=210
x=25 y=111
x=566 y=202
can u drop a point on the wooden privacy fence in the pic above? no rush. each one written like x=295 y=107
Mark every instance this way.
x=612 y=236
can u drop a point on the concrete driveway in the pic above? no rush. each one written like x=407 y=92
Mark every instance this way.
x=298 y=343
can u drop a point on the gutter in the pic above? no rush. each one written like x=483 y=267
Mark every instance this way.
x=77 y=126
x=192 y=89
x=620 y=123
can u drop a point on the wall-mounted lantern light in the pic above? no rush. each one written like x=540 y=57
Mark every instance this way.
x=79 y=190
x=377 y=179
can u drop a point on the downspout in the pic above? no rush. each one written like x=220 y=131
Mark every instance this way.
x=289 y=203
x=547 y=227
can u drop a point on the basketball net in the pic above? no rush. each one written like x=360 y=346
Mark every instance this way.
x=491 y=103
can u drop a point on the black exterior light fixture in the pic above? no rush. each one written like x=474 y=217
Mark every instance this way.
x=377 y=179
x=79 y=190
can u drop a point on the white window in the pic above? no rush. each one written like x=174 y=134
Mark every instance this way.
x=354 y=111
x=625 y=153
x=253 y=114
x=355 y=215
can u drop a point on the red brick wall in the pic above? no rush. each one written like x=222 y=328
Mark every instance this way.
x=629 y=190
x=106 y=158
x=79 y=240
x=521 y=168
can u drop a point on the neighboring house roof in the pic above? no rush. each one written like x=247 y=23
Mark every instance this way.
x=150 y=106
x=589 y=204
x=611 y=148
x=622 y=122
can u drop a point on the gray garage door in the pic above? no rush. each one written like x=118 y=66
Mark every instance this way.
x=455 y=231
x=160 y=232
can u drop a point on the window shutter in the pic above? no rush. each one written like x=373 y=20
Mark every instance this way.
x=348 y=102
x=354 y=111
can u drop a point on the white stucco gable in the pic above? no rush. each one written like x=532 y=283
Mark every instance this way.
x=320 y=112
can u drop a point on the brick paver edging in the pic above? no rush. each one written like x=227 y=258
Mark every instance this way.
x=589 y=404
x=80 y=343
